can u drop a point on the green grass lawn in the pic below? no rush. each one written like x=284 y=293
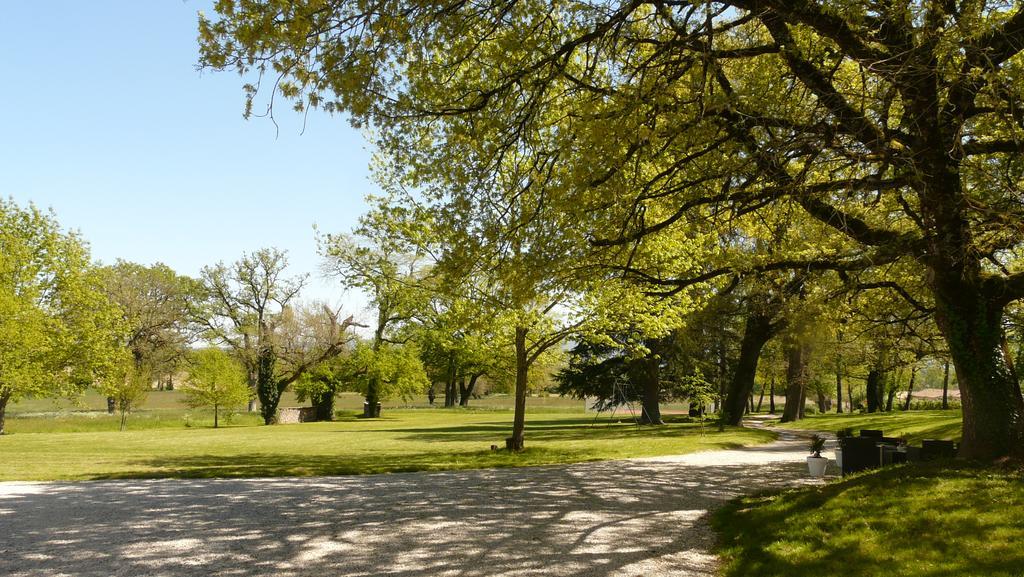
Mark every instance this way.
x=917 y=425
x=938 y=520
x=404 y=440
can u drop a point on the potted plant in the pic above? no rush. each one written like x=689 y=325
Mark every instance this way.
x=816 y=463
x=840 y=435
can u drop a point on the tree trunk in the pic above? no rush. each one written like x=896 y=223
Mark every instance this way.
x=466 y=391
x=647 y=371
x=874 y=389
x=945 y=387
x=216 y=414
x=796 y=382
x=3 y=411
x=517 y=441
x=324 y=406
x=760 y=399
x=993 y=408
x=253 y=379
x=839 y=386
x=450 y=384
x=771 y=397
x=750 y=403
x=723 y=371
x=756 y=333
x=269 y=393
x=890 y=395
x=803 y=393
x=910 y=388
x=371 y=406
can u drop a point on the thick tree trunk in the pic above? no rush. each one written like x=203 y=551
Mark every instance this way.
x=796 y=382
x=756 y=333
x=269 y=393
x=216 y=415
x=517 y=441
x=945 y=387
x=760 y=399
x=466 y=391
x=874 y=389
x=647 y=371
x=771 y=397
x=890 y=395
x=910 y=388
x=993 y=408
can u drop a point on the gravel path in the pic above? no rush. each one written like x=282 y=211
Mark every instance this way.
x=641 y=517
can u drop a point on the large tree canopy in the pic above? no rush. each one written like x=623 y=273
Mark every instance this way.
x=894 y=128
x=58 y=331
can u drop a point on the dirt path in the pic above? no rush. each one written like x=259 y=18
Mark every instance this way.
x=643 y=517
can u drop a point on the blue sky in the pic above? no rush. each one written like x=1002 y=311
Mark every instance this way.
x=107 y=121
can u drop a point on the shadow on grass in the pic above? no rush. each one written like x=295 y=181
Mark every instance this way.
x=282 y=465
x=917 y=425
x=940 y=520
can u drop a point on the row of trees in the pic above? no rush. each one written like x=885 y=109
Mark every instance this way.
x=239 y=332
x=769 y=150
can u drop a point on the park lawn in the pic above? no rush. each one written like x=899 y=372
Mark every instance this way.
x=917 y=425
x=404 y=440
x=936 y=520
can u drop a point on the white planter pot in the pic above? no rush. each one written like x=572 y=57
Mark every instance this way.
x=839 y=458
x=816 y=466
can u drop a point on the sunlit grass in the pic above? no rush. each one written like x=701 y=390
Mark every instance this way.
x=404 y=440
x=937 y=520
x=917 y=425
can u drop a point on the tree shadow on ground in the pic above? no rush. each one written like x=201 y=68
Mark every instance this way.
x=595 y=519
x=937 y=520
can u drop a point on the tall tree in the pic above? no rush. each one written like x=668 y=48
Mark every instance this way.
x=243 y=303
x=158 y=308
x=379 y=262
x=250 y=308
x=58 y=331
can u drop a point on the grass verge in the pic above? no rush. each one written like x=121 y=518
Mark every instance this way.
x=404 y=440
x=921 y=521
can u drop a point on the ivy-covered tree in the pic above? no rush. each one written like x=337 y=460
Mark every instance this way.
x=250 y=308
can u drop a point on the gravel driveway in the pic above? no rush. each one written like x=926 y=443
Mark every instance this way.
x=643 y=517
